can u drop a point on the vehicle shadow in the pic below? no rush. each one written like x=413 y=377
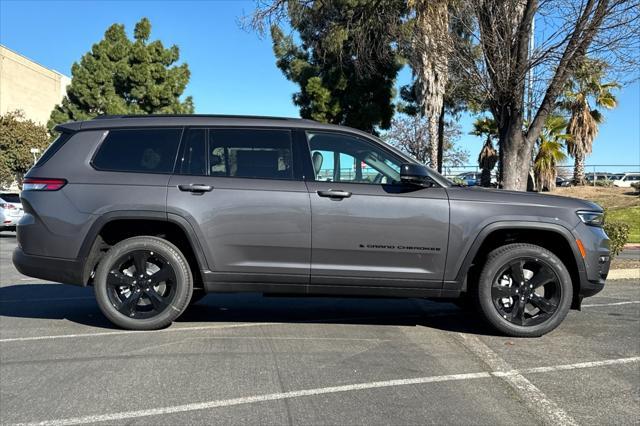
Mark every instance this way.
x=77 y=304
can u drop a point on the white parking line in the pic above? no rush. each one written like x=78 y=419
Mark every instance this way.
x=215 y=327
x=123 y=332
x=531 y=396
x=629 y=302
x=565 y=419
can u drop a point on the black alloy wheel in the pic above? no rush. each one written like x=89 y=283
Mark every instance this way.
x=524 y=290
x=143 y=283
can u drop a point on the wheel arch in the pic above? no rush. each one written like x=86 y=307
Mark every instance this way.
x=555 y=238
x=118 y=225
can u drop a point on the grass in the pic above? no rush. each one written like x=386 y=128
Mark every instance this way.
x=621 y=203
x=630 y=215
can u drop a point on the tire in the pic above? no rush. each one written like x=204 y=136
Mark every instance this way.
x=151 y=300
x=510 y=294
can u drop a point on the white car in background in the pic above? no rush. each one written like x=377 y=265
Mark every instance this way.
x=10 y=211
x=626 y=180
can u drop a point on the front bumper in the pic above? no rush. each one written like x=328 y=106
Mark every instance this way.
x=66 y=271
x=597 y=259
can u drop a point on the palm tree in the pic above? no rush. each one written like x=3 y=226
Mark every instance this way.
x=585 y=87
x=488 y=156
x=429 y=61
x=550 y=152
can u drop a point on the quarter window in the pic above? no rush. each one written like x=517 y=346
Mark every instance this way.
x=138 y=150
x=264 y=154
x=342 y=158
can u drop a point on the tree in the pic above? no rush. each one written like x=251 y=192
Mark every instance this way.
x=429 y=61
x=438 y=89
x=410 y=134
x=598 y=28
x=488 y=156
x=17 y=137
x=550 y=152
x=586 y=86
x=121 y=76
x=346 y=62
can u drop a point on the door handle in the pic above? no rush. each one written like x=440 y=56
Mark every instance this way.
x=335 y=193
x=195 y=188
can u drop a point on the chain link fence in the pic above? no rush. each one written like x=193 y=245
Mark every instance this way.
x=593 y=172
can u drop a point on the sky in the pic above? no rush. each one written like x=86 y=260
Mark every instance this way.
x=232 y=71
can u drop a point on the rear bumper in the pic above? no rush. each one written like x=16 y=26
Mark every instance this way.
x=66 y=271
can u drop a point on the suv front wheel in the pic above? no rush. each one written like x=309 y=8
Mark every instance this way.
x=143 y=283
x=524 y=290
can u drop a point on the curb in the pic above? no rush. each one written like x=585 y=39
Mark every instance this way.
x=624 y=274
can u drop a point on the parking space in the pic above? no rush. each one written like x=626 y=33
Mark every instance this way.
x=247 y=359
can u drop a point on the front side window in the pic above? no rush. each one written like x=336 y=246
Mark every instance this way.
x=341 y=158
x=138 y=150
x=250 y=153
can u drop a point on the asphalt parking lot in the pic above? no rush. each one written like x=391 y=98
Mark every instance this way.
x=245 y=359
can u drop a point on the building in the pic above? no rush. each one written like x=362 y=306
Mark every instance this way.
x=28 y=86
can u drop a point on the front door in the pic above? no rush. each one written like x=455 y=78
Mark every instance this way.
x=239 y=190
x=367 y=227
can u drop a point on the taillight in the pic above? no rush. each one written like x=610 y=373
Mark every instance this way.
x=42 y=184
x=7 y=206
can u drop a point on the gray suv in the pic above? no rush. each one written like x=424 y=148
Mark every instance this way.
x=156 y=211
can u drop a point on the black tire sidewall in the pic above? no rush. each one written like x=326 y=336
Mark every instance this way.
x=184 y=283
x=496 y=261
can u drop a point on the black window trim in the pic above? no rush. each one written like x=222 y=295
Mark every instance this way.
x=108 y=131
x=297 y=175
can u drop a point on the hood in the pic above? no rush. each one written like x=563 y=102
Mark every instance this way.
x=534 y=199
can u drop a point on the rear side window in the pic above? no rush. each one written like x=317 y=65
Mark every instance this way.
x=138 y=150
x=250 y=153
x=10 y=198
x=53 y=148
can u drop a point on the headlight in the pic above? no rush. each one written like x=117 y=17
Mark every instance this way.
x=591 y=218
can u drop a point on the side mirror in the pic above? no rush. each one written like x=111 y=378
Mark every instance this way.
x=415 y=174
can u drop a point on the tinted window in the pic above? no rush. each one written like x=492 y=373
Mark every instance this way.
x=250 y=153
x=10 y=198
x=342 y=158
x=193 y=158
x=53 y=148
x=138 y=150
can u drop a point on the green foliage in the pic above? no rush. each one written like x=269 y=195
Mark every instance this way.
x=342 y=80
x=629 y=216
x=618 y=233
x=17 y=137
x=123 y=76
x=550 y=151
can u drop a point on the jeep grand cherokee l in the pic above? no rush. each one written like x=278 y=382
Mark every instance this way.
x=156 y=211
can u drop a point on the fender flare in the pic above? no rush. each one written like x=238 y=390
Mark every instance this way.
x=496 y=226
x=88 y=245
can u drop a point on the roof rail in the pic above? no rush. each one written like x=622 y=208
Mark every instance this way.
x=108 y=117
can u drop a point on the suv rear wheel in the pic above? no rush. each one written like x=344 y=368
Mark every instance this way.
x=524 y=290
x=143 y=283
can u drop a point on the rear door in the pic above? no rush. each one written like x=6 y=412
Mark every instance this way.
x=243 y=196
x=367 y=227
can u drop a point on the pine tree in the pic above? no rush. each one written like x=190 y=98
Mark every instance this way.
x=121 y=76
x=346 y=63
